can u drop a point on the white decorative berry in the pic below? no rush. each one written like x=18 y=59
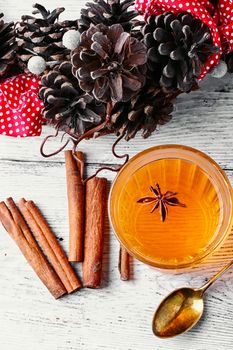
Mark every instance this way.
x=220 y=70
x=71 y=39
x=36 y=65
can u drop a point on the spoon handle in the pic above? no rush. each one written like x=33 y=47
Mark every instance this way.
x=215 y=277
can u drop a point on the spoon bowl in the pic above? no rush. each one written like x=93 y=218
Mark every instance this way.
x=182 y=309
x=178 y=312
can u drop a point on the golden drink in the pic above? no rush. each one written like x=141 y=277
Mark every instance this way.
x=188 y=230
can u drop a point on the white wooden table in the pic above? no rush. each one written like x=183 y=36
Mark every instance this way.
x=118 y=316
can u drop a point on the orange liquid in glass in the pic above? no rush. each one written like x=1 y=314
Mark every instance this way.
x=186 y=232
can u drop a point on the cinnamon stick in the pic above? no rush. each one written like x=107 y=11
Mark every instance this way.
x=17 y=228
x=96 y=196
x=75 y=194
x=124 y=264
x=50 y=245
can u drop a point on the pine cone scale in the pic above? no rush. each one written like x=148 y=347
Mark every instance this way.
x=101 y=89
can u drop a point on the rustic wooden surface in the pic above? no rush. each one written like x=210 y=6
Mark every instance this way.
x=118 y=316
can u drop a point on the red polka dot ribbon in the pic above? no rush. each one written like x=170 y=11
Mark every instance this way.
x=20 y=107
x=216 y=14
x=224 y=17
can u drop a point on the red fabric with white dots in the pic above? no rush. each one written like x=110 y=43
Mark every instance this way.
x=20 y=107
x=218 y=18
x=224 y=9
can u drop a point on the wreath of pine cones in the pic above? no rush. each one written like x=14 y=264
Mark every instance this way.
x=109 y=67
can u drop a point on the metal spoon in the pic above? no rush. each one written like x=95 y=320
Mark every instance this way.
x=182 y=309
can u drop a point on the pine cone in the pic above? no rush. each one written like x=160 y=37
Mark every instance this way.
x=150 y=108
x=178 y=46
x=109 y=63
x=108 y=12
x=8 y=46
x=43 y=36
x=66 y=106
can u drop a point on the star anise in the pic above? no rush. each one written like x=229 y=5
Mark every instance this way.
x=161 y=201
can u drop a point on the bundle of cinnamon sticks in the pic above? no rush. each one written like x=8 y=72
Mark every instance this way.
x=37 y=242
x=31 y=232
x=87 y=205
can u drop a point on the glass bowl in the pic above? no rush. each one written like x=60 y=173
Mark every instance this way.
x=187 y=224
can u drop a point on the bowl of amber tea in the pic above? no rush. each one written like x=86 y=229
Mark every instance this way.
x=171 y=206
